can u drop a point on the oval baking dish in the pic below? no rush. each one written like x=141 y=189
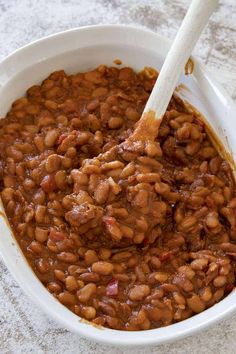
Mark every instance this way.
x=83 y=49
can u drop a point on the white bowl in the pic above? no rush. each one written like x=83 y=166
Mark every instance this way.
x=83 y=49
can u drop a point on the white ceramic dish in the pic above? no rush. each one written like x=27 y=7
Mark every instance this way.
x=83 y=49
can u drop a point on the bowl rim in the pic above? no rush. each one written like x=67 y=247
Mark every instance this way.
x=59 y=312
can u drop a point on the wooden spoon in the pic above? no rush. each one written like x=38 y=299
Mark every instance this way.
x=112 y=174
x=194 y=22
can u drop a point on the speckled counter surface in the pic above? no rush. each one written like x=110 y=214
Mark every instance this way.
x=24 y=328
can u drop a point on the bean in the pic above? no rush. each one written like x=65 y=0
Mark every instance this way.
x=76 y=123
x=206 y=294
x=115 y=188
x=218 y=294
x=90 y=257
x=71 y=283
x=54 y=287
x=103 y=268
x=59 y=274
x=181 y=118
x=93 y=76
x=9 y=182
x=188 y=222
x=53 y=163
x=121 y=256
x=66 y=162
x=100 y=91
x=40 y=212
x=212 y=220
x=48 y=183
x=120 y=212
x=68 y=106
x=139 y=292
x=155 y=262
x=112 y=165
x=91 y=106
x=51 y=105
x=187 y=272
x=220 y=281
x=126 y=231
x=179 y=299
x=126 y=74
x=104 y=253
x=79 y=177
x=41 y=234
x=102 y=192
x=86 y=292
x=94 y=123
x=61 y=179
x=199 y=264
x=91 y=169
x=43 y=266
x=232 y=203
x=218 y=198
x=90 y=277
x=88 y=312
x=113 y=228
x=192 y=148
x=138 y=238
x=162 y=188
x=148 y=177
x=161 y=277
x=208 y=152
x=115 y=122
x=132 y=114
x=17 y=155
x=39 y=197
x=67 y=257
x=36 y=247
x=214 y=164
x=128 y=170
x=51 y=137
x=7 y=194
x=196 y=304
x=225 y=269
x=153 y=149
x=227 y=193
x=67 y=298
x=28 y=184
x=150 y=162
x=228 y=247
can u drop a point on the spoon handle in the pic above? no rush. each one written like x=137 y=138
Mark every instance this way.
x=180 y=51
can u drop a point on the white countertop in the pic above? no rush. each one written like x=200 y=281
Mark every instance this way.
x=24 y=328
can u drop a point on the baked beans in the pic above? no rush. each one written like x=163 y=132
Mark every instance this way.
x=128 y=236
